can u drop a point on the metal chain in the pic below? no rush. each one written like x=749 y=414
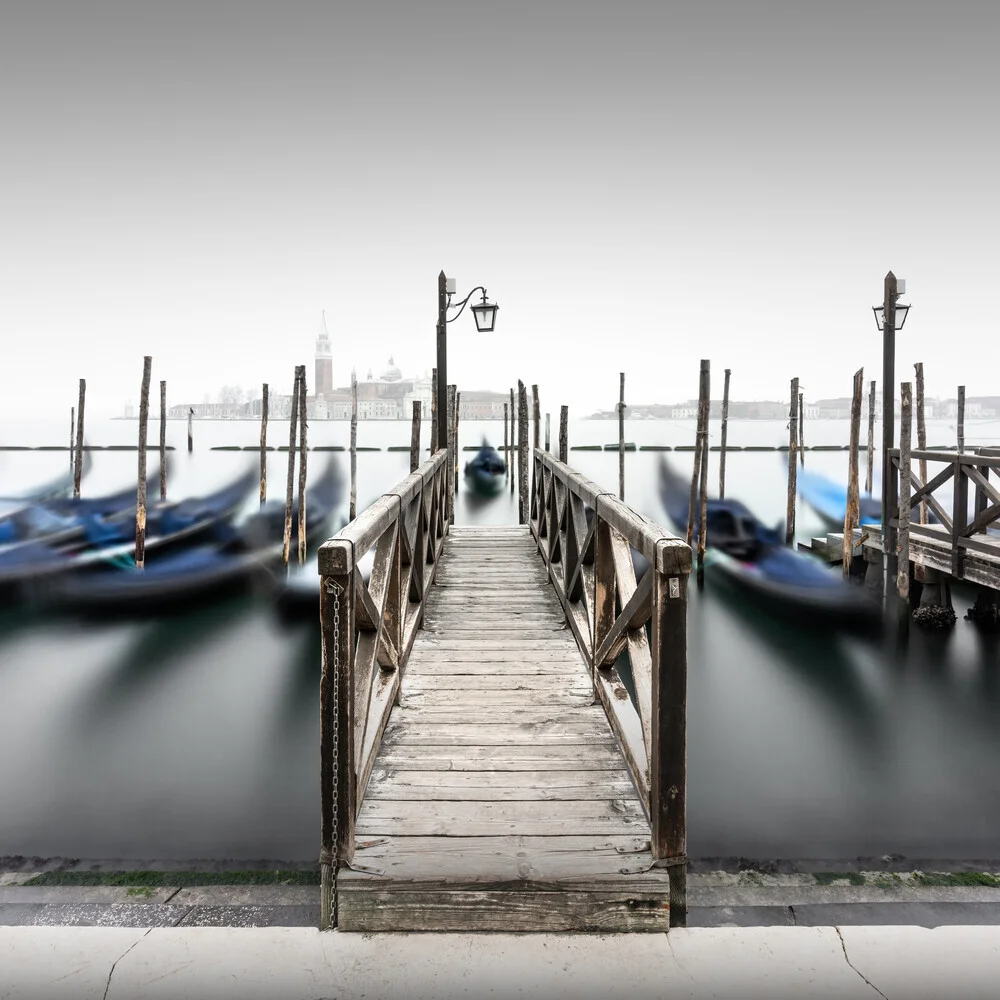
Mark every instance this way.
x=331 y=858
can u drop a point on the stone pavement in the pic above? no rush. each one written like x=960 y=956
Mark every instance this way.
x=300 y=963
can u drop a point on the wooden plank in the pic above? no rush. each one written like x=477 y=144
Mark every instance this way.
x=382 y=817
x=450 y=683
x=501 y=734
x=617 y=910
x=479 y=786
x=439 y=667
x=557 y=859
x=567 y=696
x=600 y=754
x=548 y=713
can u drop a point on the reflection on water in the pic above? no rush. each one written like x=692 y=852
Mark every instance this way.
x=196 y=735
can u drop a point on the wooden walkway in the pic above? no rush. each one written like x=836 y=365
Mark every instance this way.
x=499 y=787
x=483 y=766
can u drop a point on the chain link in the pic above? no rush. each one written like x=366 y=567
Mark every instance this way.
x=331 y=859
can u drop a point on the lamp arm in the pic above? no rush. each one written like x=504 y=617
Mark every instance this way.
x=461 y=305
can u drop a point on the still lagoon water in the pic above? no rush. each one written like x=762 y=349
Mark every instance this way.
x=197 y=736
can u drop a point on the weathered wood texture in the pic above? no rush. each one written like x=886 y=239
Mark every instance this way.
x=263 y=444
x=852 y=514
x=871 y=438
x=725 y=431
x=190 y=431
x=415 y=437
x=353 y=509
x=918 y=371
x=434 y=412
x=522 y=453
x=960 y=424
x=621 y=436
x=564 y=434
x=499 y=799
x=704 y=405
x=140 y=504
x=536 y=416
x=290 y=479
x=163 y=440
x=303 y=461
x=506 y=441
x=78 y=467
x=513 y=440
x=792 y=444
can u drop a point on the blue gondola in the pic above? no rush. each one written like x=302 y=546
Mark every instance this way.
x=484 y=473
x=828 y=499
x=232 y=557
x=754 y=558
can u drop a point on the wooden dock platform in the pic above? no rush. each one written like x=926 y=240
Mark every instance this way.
x=499 y=798
x=483 y=766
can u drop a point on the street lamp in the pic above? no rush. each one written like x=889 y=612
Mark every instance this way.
x=889 y=316
x=485 y=314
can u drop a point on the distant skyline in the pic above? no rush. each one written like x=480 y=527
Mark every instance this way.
x=637 y=185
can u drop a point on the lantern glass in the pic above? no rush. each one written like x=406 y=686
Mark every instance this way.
x=486 y=315
x=901 y=313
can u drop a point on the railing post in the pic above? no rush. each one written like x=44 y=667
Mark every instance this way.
x=668 y=757
x=338 y=781
x=604 y=585
x=959 y=519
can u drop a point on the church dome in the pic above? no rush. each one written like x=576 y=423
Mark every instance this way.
x=391 y=373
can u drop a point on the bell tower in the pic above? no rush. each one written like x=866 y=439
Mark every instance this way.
x=324 y=360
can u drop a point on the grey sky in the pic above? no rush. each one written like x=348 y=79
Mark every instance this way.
x=639 y=185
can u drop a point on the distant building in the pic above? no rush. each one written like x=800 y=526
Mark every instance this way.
x=324 y=361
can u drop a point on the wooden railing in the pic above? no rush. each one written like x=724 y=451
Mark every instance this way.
x=368 y=631
x=956 y=525
x=585 y=536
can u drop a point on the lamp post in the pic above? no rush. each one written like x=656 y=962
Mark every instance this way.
x=887 y=316
x=485 y=314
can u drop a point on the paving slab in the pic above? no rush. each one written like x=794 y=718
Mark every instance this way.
x=740 y=916
x=250 y=895
x=946 y=963
x=303 y=915
x=104 y=914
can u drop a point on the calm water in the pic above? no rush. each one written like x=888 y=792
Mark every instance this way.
x=198 y=737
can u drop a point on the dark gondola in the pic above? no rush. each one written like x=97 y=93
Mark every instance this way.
x=753 y=558
x=484 y=473
x=232 y=558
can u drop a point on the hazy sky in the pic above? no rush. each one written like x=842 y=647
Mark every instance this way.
x=639 y=185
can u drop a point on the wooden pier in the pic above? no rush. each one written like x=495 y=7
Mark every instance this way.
x=483 y=766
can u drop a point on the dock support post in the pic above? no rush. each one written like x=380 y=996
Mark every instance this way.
x=961 y=420
x=415 y=437
x=72 y=430
x=852 y=514
x=564 y=434
x=621 y=435
x=704 y=392
x=871 y=438
x=290 y=480
x=434 y=411
x=458 y=406
x=790 y=504
x=263 y=445
x=725 y=431
x=303 y=457
x=522 y=453
x=905 y=492
x=668 y=748
x=190 y=430
x=890 y=494
x=353 y=510
x=802 y=435
x=506 y=443
x=140 y=503
x=696 y=471
x=163 y=440
x=513 y=439
x=78 y=468
x=918 y=370
x=452 y=461
x=548 y=437
x=536 y=411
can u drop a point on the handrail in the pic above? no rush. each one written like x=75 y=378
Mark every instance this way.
x=365 y=626
x=589 y=561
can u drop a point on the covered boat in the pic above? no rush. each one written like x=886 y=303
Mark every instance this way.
x=233 y=557
x=828 y=498
x=484 y=473
x=753 y=558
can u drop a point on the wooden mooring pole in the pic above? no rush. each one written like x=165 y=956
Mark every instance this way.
x=905 y=492
x=353 y=510
x=190 y=430
x=961 y=420
x=704 y=405
x=263 y=445
x=163 y=440
x=513 y=439
x=548 y=438
x=852 y=514
x=621 y=435
x=506 y=443
x=452 y=451
x=802 y=435
x=722 y=442
x=78 y=468
x=72 y=429
x=918 y=370
x=536 y=413
x=415 y=437
x=564 y=434
x=522 y=453
x=140 y=504
x=290 y=479
x=790 y=505
x=303 y=458
x=455 y=480
x=696 y=471
x=871 y=438
x=434 y=411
